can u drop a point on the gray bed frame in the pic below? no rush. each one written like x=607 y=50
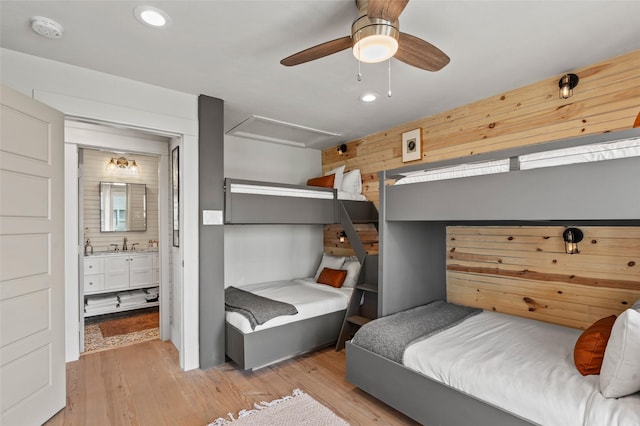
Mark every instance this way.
x=412 y=256
x=260 y=348
x=245 y=209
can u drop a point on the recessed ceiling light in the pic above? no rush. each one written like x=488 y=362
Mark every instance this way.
x=152 y=16
x=368 y=97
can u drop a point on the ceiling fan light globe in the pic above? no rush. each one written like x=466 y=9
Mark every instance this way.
x=375 y=48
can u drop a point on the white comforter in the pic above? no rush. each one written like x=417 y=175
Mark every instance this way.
x=523 y=366
x=310 y=299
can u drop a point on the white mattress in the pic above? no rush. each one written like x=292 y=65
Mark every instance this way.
x=581 y=154
x=454 y=172
x=310 y=299
x=280 y=191
x=523 y=366
x=241 y=188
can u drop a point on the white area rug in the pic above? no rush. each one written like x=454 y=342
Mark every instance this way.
x=298 y=409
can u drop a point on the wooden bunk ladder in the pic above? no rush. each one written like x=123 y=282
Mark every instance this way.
x=363 y=305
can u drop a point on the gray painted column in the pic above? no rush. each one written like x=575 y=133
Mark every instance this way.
x=211 y=193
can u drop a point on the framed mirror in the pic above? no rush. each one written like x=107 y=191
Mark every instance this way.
x=123 y=207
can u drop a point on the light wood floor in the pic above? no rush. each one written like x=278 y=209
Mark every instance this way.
x=143 y=385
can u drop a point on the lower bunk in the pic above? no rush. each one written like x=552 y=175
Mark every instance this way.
x=319 y=313
x=261 y=348
x=487 y=369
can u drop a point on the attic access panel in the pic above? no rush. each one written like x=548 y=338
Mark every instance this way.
x=275 y=131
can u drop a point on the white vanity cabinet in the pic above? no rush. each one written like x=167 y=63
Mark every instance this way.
x=119 y=272
x=123 y=271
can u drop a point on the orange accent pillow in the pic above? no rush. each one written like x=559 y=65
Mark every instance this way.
x=323 y=181
x=589 y=350
x=332 y=277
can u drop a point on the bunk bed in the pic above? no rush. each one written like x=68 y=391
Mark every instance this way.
x=412 y=268
x=255 y=202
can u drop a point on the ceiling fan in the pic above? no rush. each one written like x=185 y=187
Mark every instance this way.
x=375 y=37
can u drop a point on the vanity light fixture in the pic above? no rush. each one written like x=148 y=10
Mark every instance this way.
x=152 y=17
x=116 y=165
x=571 y=237
x=341 y=149
x=566 y=84
x=342 y=237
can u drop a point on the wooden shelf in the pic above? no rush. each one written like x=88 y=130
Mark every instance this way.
x=367 y=287
x=358 y=320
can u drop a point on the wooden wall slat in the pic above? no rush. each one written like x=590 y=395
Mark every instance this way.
x=504 y=269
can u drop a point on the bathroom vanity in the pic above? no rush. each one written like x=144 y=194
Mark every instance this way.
x=119 y=272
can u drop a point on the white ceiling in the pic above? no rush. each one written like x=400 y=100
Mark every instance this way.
x=231 y=50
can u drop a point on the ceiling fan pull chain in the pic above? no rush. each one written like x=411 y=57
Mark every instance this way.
x=359 y=76
x=389 y=92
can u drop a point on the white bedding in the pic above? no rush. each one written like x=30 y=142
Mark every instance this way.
x=310 y=299
x=534 y=377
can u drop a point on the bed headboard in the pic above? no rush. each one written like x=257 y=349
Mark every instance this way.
x=524 y=271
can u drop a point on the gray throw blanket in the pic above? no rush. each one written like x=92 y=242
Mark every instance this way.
x=389 y=336
x=256 y=309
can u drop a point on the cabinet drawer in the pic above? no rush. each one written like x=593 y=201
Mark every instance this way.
x=93 y=283
x=93 y=265
x=155 y=261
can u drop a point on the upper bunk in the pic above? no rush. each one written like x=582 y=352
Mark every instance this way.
x=588 y=178
x=256 y=202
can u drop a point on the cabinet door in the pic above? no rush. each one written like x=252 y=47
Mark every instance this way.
x=116 y=272
x=140 y=271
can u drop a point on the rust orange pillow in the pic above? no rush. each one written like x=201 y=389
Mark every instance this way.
x=332 y=277
x=323 y=181
x=589 y=350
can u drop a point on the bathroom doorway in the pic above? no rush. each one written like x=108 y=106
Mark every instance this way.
x=123 y=297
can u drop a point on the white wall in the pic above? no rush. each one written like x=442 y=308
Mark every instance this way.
x=268 y=253
x=258 y=253
x=80 y=92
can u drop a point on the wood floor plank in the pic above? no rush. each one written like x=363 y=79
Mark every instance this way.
x=143 y=385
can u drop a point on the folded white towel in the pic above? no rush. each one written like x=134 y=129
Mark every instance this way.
x=102 y=298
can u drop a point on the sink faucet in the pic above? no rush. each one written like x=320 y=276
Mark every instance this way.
x=124 y=244
x=115 y=247
x=133 y=246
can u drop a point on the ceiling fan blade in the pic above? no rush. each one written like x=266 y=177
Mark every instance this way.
x=317 y=52
x=419 y=53
x=386 y=9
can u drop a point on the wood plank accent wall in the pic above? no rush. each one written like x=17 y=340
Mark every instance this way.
x=605 y=100
x=94 y=171
x=524 y=271
x=368 y=236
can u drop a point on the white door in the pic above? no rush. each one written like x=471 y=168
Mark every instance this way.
x=32 y=369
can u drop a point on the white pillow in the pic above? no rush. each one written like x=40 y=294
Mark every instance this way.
x=329 y=261
x=352 y=266
x=352 y=182
x=620 y=372
x=339 y=172
x=636 y=305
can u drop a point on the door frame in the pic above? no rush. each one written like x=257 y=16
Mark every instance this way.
x=79 y=136
x=186 y=130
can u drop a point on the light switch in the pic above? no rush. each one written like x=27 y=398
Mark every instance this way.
x=212 y=217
